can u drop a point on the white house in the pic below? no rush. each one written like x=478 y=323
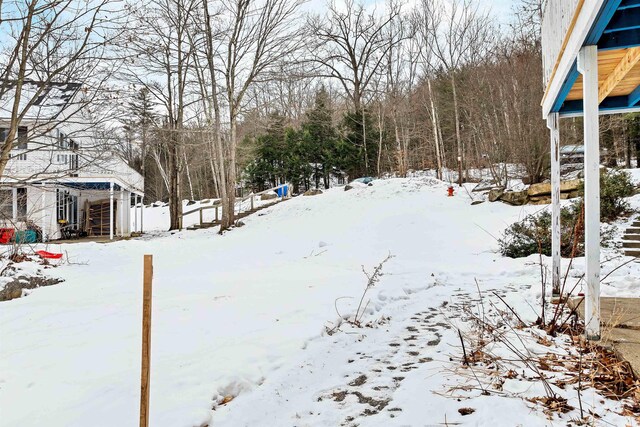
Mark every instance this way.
x=62 y=180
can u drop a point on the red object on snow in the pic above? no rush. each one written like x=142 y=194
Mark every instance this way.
x=49 y=255
x=6 y=234
x=450 y=191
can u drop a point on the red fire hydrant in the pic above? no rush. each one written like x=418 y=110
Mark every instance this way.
x=450 y=191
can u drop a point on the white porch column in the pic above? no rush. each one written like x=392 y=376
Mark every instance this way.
x=588 y=67
x=111 y=211
x=135 y=213
x=142 y=214
x=553 y=123
x=44 y=213
x=122 y=228
x=14 y=204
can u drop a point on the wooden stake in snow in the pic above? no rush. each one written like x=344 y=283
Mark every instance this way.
x=146 y=340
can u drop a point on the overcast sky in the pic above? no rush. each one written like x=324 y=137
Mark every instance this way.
x=501 y=10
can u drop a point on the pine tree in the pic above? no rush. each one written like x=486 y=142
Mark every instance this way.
x=328 y=154
x=281 y=156
x=321 y=139
x=360 y=148
x=143 y=117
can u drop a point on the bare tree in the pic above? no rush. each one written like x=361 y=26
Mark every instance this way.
x=47 y=43
x=426 y=22
x=163 y=56
x=401 y=76
x=351 y=46
x=460 y=34
x=245 y=44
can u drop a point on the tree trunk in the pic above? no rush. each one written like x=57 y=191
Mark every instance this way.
x=458 y=138
x=163 y=173
x=380 y=127
x=434 y=124
x=627 y=149
x=175 y=205
x=186 y=165
x=143 y=156
x=364 y=143
x=228 y=213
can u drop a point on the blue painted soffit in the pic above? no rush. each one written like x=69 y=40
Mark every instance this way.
x=90 y=185
x=617 y=27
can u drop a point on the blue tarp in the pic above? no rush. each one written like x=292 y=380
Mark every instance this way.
x=282 y=191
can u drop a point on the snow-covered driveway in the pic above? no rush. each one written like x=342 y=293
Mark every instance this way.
x=228 y=311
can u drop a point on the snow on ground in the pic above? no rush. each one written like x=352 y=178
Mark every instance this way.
x=29 y=268
x=635 y=175
x=244 y=314
x=156 y=215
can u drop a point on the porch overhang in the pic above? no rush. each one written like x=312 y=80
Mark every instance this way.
x=99 y=183
x=614 y=27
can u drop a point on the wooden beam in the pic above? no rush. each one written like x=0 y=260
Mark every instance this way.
x=623 y=20
x=625 y=65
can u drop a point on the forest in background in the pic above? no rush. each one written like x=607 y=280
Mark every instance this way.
x=215 y=98
x=367 y=93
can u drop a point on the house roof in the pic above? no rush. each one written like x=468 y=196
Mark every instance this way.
x=49 y=99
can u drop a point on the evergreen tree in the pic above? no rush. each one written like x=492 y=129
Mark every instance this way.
x=281 y=156
x=302 y=157
x=360 y=149
x=298 y=166
x=268 y=167
x=321 y=139
x=138 y=127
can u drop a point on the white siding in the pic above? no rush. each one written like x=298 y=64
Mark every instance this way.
x=558 y=15
x=556 y=32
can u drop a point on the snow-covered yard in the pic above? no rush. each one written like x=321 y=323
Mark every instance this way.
x=245 y=315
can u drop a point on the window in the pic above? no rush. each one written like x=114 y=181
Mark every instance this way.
x=63 y=141
x=22 y=204
x=61 y=159
x=60 y=207
x=6 y=204
x=73 y=162
x=23 y=133
x=21 y=156
x=22 y=140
